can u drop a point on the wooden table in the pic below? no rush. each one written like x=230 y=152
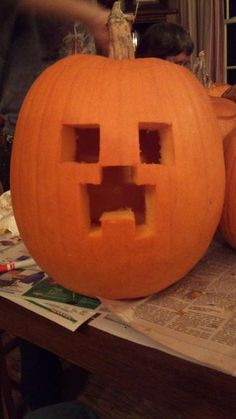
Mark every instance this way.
x=199 y=392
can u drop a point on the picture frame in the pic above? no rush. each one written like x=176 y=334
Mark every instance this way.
x=158 y=4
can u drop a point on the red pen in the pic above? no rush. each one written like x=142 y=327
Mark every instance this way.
x=18 y=264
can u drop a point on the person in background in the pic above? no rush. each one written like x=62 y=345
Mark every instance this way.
x=31 y=39
x=168 y=41
x=172 y=42
x=33 y=36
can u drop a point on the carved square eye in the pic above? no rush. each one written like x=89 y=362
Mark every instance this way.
x=149 y=145
x=154 y=141
x=81 y=143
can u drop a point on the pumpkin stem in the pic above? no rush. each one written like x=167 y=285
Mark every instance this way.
x=200 y=71
x=119 y=25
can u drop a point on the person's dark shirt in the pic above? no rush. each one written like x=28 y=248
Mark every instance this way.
x=28 y=44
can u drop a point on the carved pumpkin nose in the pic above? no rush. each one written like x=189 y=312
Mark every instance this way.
x=117 y=193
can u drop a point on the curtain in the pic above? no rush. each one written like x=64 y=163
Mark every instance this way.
x=205 y=22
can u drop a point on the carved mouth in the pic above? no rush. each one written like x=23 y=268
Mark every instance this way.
x=117 y=192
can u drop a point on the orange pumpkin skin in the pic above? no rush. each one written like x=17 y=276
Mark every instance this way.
x=227 y=224
x=225 y=111
x=217 y=90
x=158 y=209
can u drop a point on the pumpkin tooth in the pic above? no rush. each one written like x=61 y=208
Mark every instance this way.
x=121 y=222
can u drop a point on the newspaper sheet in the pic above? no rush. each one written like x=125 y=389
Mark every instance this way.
x=31 y=288
x=194 y=318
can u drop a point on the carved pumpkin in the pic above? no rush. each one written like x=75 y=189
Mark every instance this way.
x=117 y=184
x=228 y=220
